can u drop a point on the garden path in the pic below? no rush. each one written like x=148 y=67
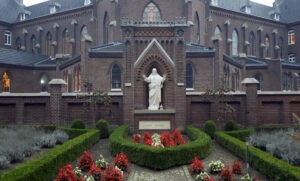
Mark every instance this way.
x=138 y=173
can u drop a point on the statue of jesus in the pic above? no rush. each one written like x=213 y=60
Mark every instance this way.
x=155 y=84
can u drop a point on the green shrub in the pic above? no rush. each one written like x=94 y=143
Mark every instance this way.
x=264 y=162
x=46 y=166
x=210 y=128
x=231 y=126
x=242 y=135
x=102 y=125
x=77 y=124
x=160 y=158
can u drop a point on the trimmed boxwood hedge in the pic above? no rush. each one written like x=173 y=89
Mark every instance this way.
x=46 y=166
x=273 y=167
x=241 y=134
x=160 y=158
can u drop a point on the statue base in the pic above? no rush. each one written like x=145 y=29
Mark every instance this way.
x=154 y=120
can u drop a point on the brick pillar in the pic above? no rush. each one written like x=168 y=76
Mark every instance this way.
x=251 y=101
x=56 y=90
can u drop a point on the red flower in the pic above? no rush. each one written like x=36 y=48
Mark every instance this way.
x=237 y=167
x=112 y=174
x=96 y=172
x=166 y=139
x=178 y=139
x=257 y=179
x=196 y=166
x=209 y=179
x=121 y=161
x=66 y=174
x=136 y=138
x=226 y=173
x=85 y=161
x=147 y=140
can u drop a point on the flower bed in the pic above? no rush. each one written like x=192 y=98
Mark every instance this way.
x=17 y=143
x=161 y=158
x=260 y=160
x=219 y=171
x=166 y=139
x=46 y=166
x=279 y=143
x=88 y=170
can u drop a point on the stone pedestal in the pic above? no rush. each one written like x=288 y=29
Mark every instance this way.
x=154 y=120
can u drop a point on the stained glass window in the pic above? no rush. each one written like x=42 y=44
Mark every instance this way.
x=151 y=13
x=189 y=77
x=116 y=77
x=5 y=82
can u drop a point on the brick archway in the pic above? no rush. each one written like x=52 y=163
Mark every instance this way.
x=141 y=87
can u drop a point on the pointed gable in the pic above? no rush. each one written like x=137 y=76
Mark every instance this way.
x=163 y=52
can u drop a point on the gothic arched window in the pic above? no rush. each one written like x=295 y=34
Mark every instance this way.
x=18 y=43
x=189 y=76
x=77 y=79
x=197 y=28
x=267 y=46
x=32 y=44
x=151 y=13
x=235 y=43
x=116 y=77
x=105 y=28
x=48 y=44
x=65 y=42
x=252 y=46
x=280 y=44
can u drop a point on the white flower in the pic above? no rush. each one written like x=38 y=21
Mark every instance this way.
x=246 y=177
x=78 y=171
x=101 y=162
x=117 y=168
x=89 y=178
x=202 y=176
x=216 y=166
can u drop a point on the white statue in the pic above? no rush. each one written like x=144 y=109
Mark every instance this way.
x=155 y=84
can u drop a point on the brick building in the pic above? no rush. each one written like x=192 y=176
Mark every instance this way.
x=199 y=44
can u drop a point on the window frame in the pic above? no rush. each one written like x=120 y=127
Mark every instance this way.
x=291 y=37
x=116 y=85
x=7 y=38
x=190 y=76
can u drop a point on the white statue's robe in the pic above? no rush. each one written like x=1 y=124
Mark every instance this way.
x=155 y=84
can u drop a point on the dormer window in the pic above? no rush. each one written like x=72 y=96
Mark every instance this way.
x=214 y=2
x=52 y=9
x=87 y=2
x=292 y=58
x=247 y=9
x=7 y=38
x=22 y=16
x=276 y=17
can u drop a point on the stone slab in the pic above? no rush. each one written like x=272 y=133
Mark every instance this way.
x=154 y=125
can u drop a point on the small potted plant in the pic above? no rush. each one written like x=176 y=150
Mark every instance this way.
x=85 y=161
x=215 y=166
x=121 y=161
x=226 y=173
x=196 y=166
x=203 y=176
x=237 y=167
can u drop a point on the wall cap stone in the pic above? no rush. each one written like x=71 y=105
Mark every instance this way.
x=57 y=82
x=249 y=81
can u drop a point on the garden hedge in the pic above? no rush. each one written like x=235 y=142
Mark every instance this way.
x=160 y=158
x=273 y=167
x=46 y=166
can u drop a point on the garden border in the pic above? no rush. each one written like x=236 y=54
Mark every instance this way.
x=46 y=166
x=264 y=162
x=161 y=158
